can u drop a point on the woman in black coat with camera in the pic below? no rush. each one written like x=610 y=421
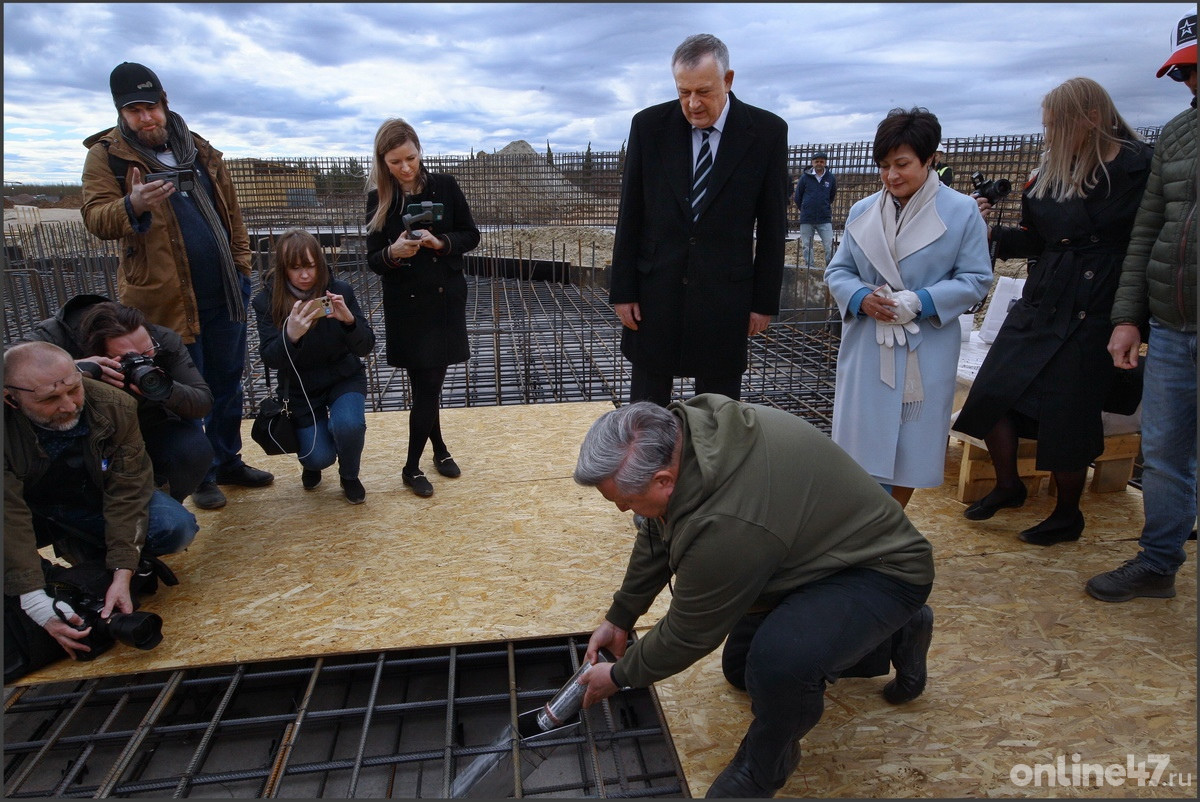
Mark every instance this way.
x=1048 y=372
x=313 y=334
x=424 y=290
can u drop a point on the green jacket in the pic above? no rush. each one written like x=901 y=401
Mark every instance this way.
x=764 y=503
x=119 y=464
x=1158 y=276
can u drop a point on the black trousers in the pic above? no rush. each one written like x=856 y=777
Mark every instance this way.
x=656 y=387
x=839 y=626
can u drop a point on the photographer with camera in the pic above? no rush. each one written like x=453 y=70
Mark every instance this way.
x=76 y=477
x=165 y=194
x=424 y=290
x=1047 y=375
x=114 y=343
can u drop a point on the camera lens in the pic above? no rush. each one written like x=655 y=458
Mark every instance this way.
x=139 y=630
x=154 y=383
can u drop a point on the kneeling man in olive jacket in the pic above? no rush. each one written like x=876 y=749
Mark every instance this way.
x=777 y=543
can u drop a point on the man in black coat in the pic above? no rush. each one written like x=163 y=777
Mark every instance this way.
x=703 y=177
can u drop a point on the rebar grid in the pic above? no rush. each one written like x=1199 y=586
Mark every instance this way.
x=532 y=341
x=389 y=724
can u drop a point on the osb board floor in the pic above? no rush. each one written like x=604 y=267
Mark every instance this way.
x=1024 y=667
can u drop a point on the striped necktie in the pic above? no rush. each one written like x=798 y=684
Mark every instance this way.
x=704 y=163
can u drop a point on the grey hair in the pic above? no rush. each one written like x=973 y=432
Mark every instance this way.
x=628 y=445
x=696 y=47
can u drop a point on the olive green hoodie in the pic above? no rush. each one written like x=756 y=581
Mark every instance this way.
x=764 y=503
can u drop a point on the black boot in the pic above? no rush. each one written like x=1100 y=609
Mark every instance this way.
x=909 y=648
x=736 y=781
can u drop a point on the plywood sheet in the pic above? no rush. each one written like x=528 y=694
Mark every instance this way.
x=1024 y=665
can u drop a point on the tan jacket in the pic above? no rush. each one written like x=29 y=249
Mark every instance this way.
x=119 y=465
x=154 y=275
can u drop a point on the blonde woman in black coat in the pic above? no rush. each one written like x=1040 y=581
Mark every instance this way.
x=424 y=290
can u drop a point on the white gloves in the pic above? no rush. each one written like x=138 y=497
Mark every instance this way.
x=908 y=306
x=39 y=606
x=892 y=334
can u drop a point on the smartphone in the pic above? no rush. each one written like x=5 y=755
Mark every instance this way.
x=184 y=180
x=326 y=304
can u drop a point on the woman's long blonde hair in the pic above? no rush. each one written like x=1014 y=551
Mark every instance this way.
x=291 y=248
x=391 y=135
x=1078 y=110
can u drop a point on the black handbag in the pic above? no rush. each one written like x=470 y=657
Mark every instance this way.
x=274 y=428
x=1125 y=392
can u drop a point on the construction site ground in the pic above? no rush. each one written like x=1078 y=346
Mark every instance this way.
x=1024 y=669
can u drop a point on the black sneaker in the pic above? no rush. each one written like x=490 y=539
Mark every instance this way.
x=245 y=476
x=208 y=496
x=1131 y=580
x=354 y=491
x=310 y=478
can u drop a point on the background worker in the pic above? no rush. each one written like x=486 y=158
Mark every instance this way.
x=814 y=195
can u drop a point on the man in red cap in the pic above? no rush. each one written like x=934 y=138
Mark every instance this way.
x=1158 y=294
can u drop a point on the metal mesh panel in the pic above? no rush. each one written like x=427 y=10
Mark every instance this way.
x=388 y=724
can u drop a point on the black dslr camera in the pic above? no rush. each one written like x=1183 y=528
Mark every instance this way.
x=994 y=191
x=421 y=216
x=83 y=588
x=139 y=371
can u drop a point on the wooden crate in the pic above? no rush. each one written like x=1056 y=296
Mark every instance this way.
x=1112 y=469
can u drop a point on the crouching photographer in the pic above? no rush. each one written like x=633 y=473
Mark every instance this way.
x=115 y=344
x=77 y=477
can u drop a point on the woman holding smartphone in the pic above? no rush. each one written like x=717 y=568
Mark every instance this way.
x=424 y=290
x=313 y=334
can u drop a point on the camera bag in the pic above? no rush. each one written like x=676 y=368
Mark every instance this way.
x=274 y=428
x=27 y=647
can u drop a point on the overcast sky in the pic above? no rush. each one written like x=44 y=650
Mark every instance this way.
x=317 y=79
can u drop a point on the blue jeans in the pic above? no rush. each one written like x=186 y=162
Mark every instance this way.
x=839 y=626
x=172 y=529
x=181 y=454
x=340 y=435
x=220 y=356
x=1168 y=447
x=825 y=232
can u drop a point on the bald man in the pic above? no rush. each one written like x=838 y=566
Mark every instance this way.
x=76 y=476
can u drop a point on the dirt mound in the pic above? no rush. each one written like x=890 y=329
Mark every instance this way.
x=493 y=180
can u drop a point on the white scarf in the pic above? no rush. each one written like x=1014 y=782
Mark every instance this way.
x=886 y=238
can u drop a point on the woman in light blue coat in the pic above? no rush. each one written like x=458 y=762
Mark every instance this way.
x=914 y=258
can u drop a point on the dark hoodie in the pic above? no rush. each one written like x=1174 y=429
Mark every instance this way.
x=764 y=503
x=190 y=396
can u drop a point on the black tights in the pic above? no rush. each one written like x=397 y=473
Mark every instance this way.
x=424 y=422
x=1002 y=447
